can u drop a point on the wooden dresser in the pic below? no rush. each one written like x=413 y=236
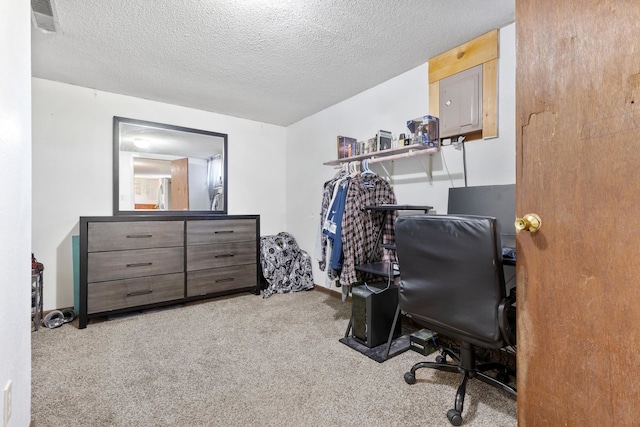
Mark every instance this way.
x=129 y=263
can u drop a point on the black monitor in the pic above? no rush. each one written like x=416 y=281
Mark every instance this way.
x=488 y=200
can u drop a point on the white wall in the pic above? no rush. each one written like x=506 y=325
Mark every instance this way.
x=15 y=209
x=312 y=141
x=72 y=168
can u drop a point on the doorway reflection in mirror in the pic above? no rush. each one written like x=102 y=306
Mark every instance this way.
x=214 y=183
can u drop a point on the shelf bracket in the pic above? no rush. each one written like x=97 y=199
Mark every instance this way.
x=428 y=168
x=386 y=171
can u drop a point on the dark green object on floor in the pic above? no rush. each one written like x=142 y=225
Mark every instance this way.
x=423 y=341
x=75 y=248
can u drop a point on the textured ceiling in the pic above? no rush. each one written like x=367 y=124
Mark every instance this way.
x=275 y=61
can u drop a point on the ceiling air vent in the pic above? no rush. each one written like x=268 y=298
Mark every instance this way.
x=43 y=15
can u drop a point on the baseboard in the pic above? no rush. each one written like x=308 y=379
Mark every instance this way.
x=331 y=292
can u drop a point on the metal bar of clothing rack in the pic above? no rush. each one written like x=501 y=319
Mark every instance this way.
x=36 y=297
x=384 y=155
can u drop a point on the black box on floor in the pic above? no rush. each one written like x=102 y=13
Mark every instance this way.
x=373 y=308
x=423 y=341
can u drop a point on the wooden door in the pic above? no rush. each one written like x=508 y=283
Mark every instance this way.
x=578 y=160
x=180 y=184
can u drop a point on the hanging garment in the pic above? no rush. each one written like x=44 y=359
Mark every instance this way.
x=218 y=201
x=321 y=239
x=285 y=266
x=333 y=224
x=360 y=226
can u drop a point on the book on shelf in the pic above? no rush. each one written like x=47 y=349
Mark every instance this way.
x=347 y=147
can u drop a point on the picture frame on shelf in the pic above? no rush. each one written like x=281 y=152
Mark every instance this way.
x=384 y=140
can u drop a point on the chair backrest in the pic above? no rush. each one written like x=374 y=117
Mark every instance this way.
x=451 y=275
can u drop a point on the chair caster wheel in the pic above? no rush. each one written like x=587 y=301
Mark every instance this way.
x=409 y=378
x=503 y=377
x=441 y=359
x=455 y=418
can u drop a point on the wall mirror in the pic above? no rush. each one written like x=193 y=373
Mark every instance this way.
x=161 y=169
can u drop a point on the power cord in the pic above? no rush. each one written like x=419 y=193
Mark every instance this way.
x=375 y=290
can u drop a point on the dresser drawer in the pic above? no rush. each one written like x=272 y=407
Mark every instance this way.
x=203 y=282
x=202 y=257
x=220 y=231
x=103 y=266
x=111 y=236
x=119 y=294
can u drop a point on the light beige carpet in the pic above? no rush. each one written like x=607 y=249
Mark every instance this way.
x=240 y=361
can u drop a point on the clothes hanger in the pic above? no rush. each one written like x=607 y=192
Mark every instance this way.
x=365 y=167
x=354 y=168
x=342 y=171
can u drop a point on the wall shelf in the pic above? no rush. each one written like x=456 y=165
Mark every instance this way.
x=383 y=155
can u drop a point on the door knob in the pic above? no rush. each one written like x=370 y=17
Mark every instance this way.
x=530 y=222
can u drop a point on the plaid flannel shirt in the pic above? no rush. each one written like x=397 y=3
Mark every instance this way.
x=360 y=226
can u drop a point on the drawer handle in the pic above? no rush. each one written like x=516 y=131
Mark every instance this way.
x=138 y=236
x=224 y=255
x=228 y=279
x=223 y=232
x=137 y=293
x=140 y=264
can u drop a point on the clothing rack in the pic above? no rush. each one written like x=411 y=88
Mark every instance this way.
x=354 y=162
x=380 y=156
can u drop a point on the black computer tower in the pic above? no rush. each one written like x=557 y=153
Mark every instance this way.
x=373 y=308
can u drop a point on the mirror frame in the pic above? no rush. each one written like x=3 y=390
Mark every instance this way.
x=116 y=168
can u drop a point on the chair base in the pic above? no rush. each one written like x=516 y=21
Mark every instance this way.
x=469 y=369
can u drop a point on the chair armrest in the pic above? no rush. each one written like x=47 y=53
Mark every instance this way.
x=507 y=328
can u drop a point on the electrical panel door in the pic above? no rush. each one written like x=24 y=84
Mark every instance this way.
x=461 y=103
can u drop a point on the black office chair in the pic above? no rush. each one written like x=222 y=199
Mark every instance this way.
x=452 y=282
